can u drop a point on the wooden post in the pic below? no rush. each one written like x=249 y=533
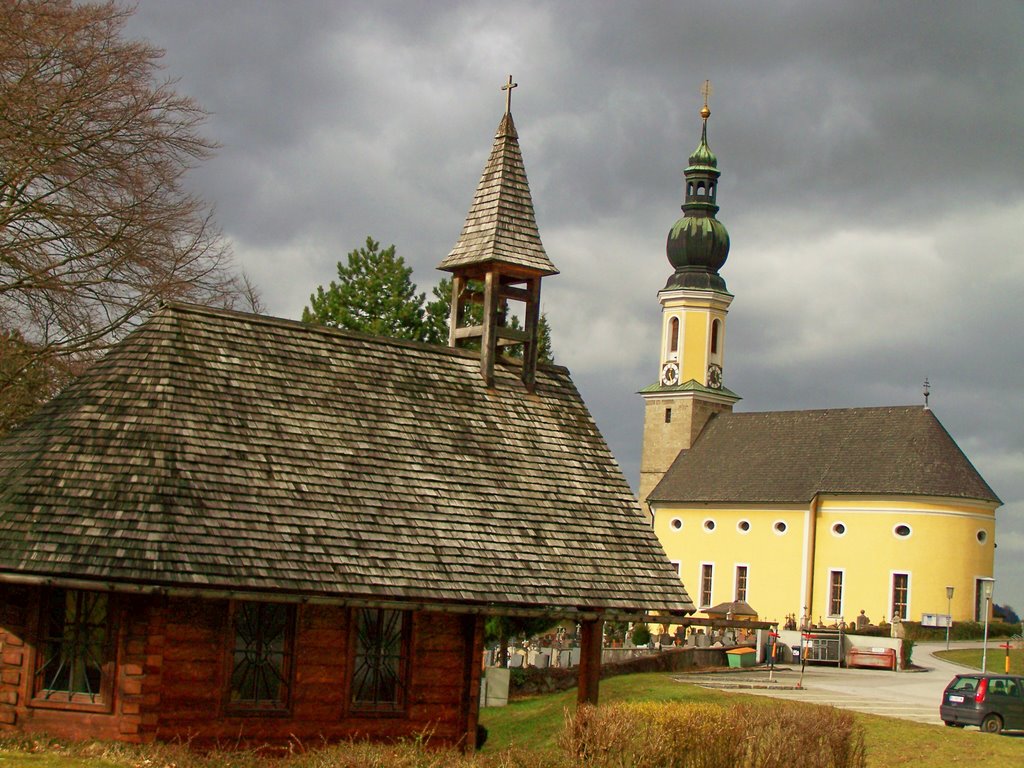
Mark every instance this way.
x=489 y=342
x=457 y=308
x=589 y=674
x=532 y=345
x=474 y=640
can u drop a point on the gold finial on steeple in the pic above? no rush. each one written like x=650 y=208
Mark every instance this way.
x=507 y=87
x=705 y=91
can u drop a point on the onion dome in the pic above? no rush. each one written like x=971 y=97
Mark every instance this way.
x=698 y=244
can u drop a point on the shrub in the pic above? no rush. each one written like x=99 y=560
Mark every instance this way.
x=678 y=735
x=640 y=635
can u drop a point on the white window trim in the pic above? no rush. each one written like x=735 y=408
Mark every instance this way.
x=700 y=585
x=736 y=581
x=842 y=594
x=892 y=589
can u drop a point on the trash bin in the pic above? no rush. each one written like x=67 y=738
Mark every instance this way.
x=741 y=657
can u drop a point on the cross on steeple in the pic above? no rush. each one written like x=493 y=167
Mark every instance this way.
x=705 y=91
x=507 y=87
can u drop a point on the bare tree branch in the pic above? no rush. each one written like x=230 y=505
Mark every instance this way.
x=96 y=224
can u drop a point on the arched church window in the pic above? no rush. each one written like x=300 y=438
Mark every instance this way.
x=673 y=335
x=716 y=328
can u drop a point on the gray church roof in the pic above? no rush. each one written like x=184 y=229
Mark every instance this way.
x=221 y=451
x=791 y=456
x=501 y=226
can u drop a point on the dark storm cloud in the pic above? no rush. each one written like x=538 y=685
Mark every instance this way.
x=873 y=181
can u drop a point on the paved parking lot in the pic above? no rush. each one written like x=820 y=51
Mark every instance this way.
x=910 y=695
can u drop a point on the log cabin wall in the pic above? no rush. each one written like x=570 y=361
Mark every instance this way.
x=172 y=658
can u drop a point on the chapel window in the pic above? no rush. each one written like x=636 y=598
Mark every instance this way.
x=381 y=659
x=75 y=658
x=716 y=328
x=261 y=657
x=673 y=335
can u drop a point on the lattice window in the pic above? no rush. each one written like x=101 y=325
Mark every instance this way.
x=380 y=660
x=835 y=593
x=74 y=647
x=741 y=582
x=900 y=594
x=261 y=656
x=707 y=572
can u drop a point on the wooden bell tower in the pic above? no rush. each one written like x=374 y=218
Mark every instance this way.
x=499 y=258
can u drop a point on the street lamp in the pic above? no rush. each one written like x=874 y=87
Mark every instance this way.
x=987 y=584
x=949 y=613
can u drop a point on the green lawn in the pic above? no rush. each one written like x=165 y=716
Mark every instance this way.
x=535 y=723
x=971 y=657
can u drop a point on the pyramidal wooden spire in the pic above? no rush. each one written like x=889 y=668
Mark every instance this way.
x=501 y=226
x=499 y=258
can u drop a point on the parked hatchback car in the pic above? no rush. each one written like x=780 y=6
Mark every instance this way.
x=991 y=702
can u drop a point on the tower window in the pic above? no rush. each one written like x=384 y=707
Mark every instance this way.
x=902 y=530
x=668 y=415
x=673 y=335
x=982 y=536
x=709 y=525
x=676 y=524
x=700 y=189
x=780 y=527
x=716 y=328
x=743 y=526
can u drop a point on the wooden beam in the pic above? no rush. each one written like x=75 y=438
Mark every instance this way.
x=531 y=345
x=487 y=342
x=455 y=315
x=473 y=632
x=588 y=675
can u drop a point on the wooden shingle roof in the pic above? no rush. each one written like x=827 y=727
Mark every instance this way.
x=791 y=456
x=501 y=225
x=218 y=450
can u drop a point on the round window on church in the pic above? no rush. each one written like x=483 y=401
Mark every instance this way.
x=839 y=529
x=982 y=536
x=780 y=527
x=676 y=524
x=743 y=526
x=902 y=530
x=709 y=525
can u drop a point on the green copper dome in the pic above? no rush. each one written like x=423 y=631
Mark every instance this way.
x=698 y=244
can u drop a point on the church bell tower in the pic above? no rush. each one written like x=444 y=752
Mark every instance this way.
x=694 y=304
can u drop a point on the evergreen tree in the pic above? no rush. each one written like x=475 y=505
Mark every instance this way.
x=375 y=294
x=438 y=312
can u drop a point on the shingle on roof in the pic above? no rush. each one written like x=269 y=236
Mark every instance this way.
x=501 y=225
x=790 y=456
x=217 y=449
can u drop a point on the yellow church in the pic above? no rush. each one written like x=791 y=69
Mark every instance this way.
x=818 y=514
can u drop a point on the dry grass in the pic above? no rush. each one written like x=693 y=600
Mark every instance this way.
x=634 y=734
x=674 y=735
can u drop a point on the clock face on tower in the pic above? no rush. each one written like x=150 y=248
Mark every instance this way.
x=715 y=376
x=669 y=374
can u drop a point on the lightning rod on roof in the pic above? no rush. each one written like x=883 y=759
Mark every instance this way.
x=927 y=389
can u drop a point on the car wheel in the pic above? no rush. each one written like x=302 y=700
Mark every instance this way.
x=992 y=724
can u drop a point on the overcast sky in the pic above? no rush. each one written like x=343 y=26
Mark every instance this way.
x=872 y=159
